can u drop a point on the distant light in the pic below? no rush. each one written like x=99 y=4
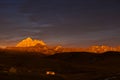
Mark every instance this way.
x=50 y=73
x=12 y=70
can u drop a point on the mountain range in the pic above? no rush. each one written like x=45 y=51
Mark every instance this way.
x=29 y=42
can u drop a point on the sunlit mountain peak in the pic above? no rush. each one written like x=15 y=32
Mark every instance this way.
x=28 y=42
x=28 y=39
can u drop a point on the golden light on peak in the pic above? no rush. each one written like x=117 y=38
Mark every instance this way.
x=28 y=42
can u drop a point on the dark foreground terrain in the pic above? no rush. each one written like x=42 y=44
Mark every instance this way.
x=60 y=66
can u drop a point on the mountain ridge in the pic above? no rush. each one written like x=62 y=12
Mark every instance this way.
x=29 y=42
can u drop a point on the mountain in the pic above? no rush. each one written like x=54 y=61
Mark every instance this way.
x=112 y=57
x=29 y=42
x=75 y=57
x=30 y=45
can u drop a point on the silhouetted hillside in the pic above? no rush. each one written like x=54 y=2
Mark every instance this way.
x=86 y=57
x=68 y=66
x=111 y=53
x=76 y=57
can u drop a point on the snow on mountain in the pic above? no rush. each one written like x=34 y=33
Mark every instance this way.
x=29 y=42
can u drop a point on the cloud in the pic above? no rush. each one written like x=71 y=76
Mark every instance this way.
x=31 y=30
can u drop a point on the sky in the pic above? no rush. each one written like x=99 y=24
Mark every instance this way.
x=70 y=23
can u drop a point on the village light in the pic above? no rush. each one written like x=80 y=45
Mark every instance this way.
x=50 y=73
